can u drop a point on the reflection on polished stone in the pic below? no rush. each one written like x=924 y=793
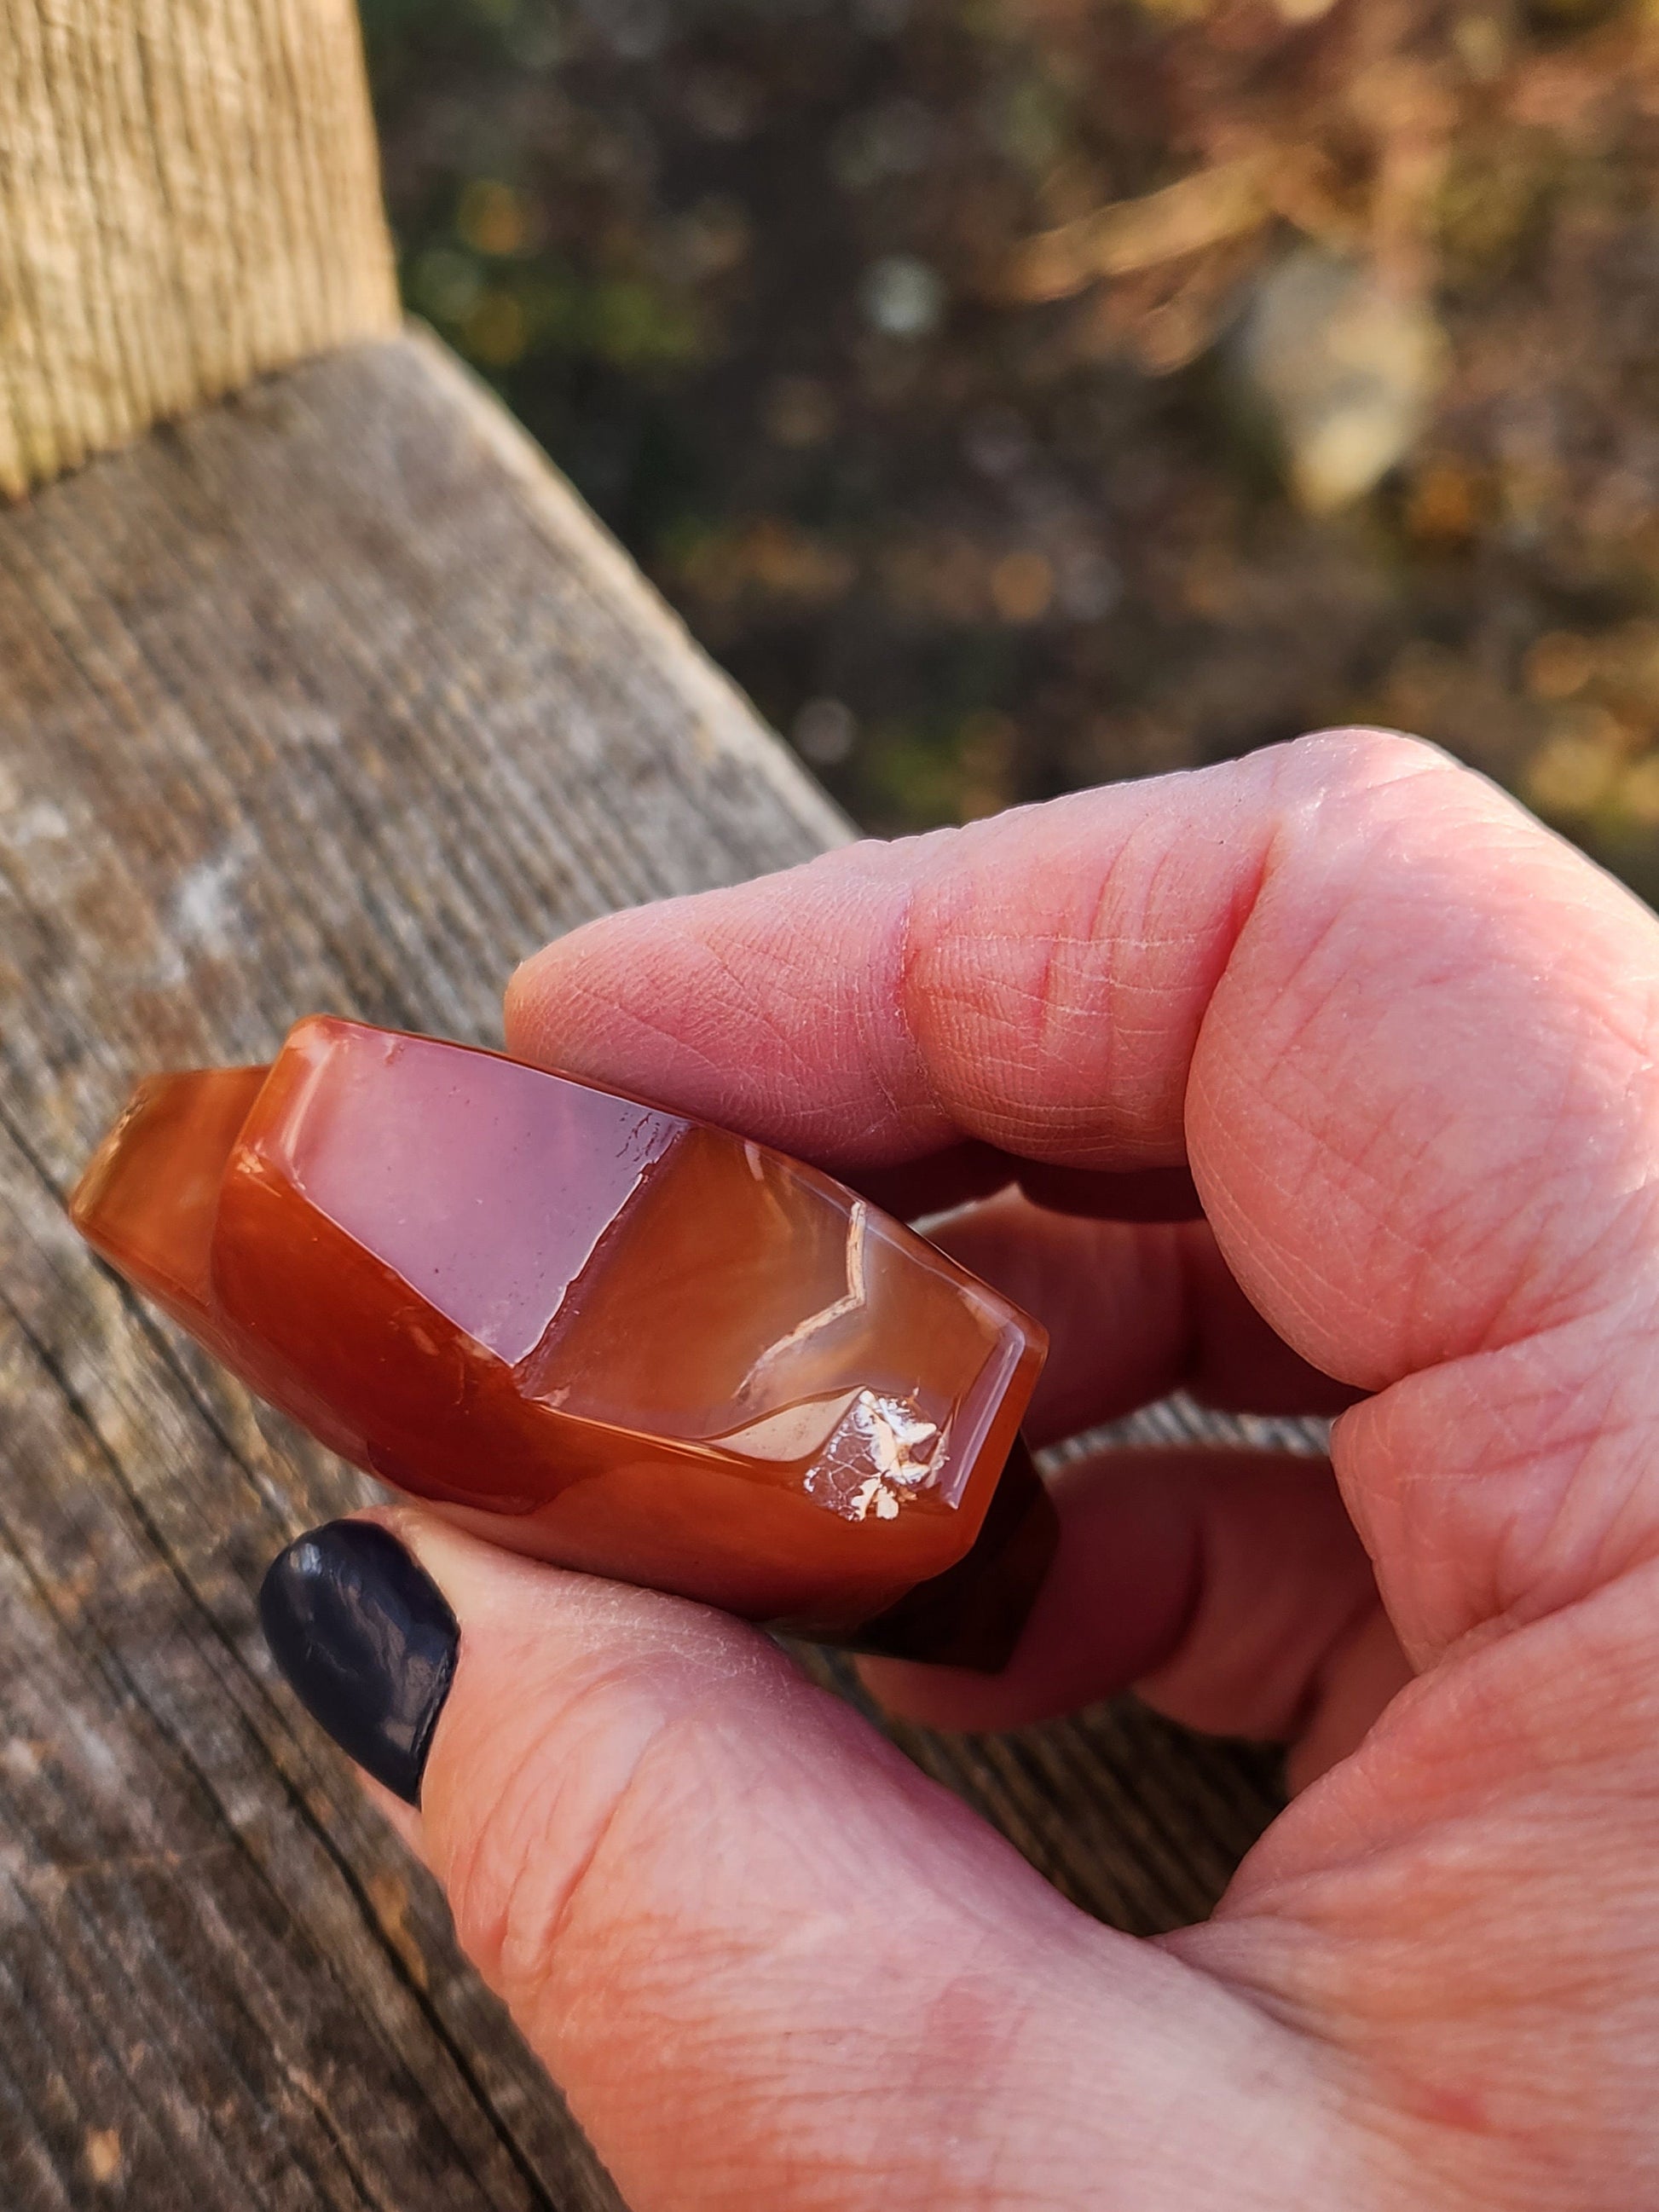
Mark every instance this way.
x=599 y=1332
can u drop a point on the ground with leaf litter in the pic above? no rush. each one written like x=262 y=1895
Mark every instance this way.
x=1016 y=393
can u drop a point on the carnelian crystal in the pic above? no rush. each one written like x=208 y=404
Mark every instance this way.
x=597 y=1331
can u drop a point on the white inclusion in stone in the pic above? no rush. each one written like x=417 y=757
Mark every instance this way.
x=852 y=1299
x=880 y=1456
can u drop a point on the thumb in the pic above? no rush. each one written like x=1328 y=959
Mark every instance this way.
x=766 y=1960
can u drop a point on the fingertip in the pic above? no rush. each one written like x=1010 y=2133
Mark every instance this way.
x=519 y=1001
x=556 y=997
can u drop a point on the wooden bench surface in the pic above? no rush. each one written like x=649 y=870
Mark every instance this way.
x=331 y=697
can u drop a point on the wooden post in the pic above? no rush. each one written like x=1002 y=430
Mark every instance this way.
x=189 y=195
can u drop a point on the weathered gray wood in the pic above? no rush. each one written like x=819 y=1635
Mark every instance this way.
x=330 y=698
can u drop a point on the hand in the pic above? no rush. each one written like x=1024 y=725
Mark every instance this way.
x=1405 y=1041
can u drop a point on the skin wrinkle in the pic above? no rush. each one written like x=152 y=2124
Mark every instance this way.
x=1406 y=1536
x=1380 y=1136
x=1273 y=1280
x=870 y=1053
x=1220 y=944
x=928 y=1009
x=1478 y=1733
x=1430 y=1265
x=908 y=1079
x=1560 y=1467
x=648 y=1687
x=680 y=1047
x=902 y=991
x=1047 y=1016
x=945 y=2078
x=1375 y=758
x=487 y=1908
x=1574 y=1117
x=1056 y=938
x=1433 y=1601
x=804 y=1066
x=1625 y=1543
x=1562 y=1301
x=1597 y=1437
x=1101 y=940
x=1127 y=1145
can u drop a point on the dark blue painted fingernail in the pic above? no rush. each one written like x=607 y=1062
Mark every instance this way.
x=367 y=1643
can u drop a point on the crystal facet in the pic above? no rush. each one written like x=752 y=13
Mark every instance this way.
x=597 y=1331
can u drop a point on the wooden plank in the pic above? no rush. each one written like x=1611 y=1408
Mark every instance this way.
x=333 y=697
x=189 y=194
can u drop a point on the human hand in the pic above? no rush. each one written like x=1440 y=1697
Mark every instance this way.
x=1405 y=1040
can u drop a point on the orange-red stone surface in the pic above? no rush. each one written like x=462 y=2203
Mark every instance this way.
x=599 y=1332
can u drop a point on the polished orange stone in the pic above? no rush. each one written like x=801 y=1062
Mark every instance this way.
x=598 y=1332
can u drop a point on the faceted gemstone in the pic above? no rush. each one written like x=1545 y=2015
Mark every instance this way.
x=596 y=1331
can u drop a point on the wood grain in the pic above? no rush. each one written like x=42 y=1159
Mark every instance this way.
x=189 y=194
x=333 y=697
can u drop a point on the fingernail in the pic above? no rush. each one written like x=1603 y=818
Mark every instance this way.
x=368 y=1644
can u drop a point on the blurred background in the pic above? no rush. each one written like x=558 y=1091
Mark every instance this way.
x=1015 y=394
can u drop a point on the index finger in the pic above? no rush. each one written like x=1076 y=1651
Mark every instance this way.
x=1402 y=1035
